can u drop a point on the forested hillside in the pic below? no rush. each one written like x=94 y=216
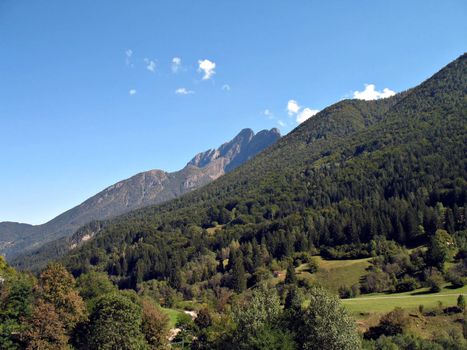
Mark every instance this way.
x=29 y=246
x=365 y=197
x=358 y=170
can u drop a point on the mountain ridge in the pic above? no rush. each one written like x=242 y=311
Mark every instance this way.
x=142 y=189
x=357 y=170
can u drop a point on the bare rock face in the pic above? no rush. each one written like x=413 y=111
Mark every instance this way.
x=143 y=189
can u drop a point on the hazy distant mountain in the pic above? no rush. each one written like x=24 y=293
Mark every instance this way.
x=143 y=189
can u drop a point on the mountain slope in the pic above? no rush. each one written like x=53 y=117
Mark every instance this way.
x=147 y=188
x=356 y=170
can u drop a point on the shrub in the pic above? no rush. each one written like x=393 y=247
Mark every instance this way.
x=461 y=302
x=347 y=251
x=452 y=310
x=435 y=284
x=407 y=284
x=393 y=323
x=376 y=281
x=305 y=258
x=455 y=278
x=346 y=292
x=434 y=280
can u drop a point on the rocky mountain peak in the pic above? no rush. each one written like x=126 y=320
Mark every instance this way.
x=143 y=189
x=243 y=146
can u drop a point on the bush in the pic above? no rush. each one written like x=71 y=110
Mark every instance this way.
x=405 y=341
x=461 y=302
x=435 y=284
x=346 y=292
x=457 y=281
x=376 y=282
x=184 y=321
x=347 y=251
x=393 y=323
x=305 y=258
x=407 y=284
x=452 y=310
x=434 y=280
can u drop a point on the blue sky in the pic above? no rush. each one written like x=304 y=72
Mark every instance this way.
x=70 y=127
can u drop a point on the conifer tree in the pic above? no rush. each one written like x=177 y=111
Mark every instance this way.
x=238 y=274
x=290 y=277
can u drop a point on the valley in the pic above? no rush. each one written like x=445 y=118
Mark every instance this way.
x=349 y=232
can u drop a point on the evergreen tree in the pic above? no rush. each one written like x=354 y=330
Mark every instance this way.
x=290 y=276
x=450 y=222
x=238 y=274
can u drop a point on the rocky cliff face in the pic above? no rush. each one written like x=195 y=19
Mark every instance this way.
x=143 y=189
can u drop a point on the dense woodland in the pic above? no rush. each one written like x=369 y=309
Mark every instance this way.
x=358 y=172
x=382 y=179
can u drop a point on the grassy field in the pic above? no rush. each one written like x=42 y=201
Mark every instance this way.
x=333 y=274
x=173 y=315
x=382 y=303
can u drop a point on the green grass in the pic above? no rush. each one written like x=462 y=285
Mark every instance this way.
x=333 y=274
x=173 y=315
x=382 y=303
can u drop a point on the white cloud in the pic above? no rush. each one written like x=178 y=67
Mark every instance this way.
x=370 y=93
x=268 y=113
x=128 y=54
x=305 y=114
x=226 y=87
x=176 y=64
x=292 y=107
x=281 y=123
x=132 y=92
x=184 y=91
x=150 y=65
x=207 y=67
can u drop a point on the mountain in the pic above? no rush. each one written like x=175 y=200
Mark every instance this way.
x=357 y=170
x=10 y=232
x=146 y=188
